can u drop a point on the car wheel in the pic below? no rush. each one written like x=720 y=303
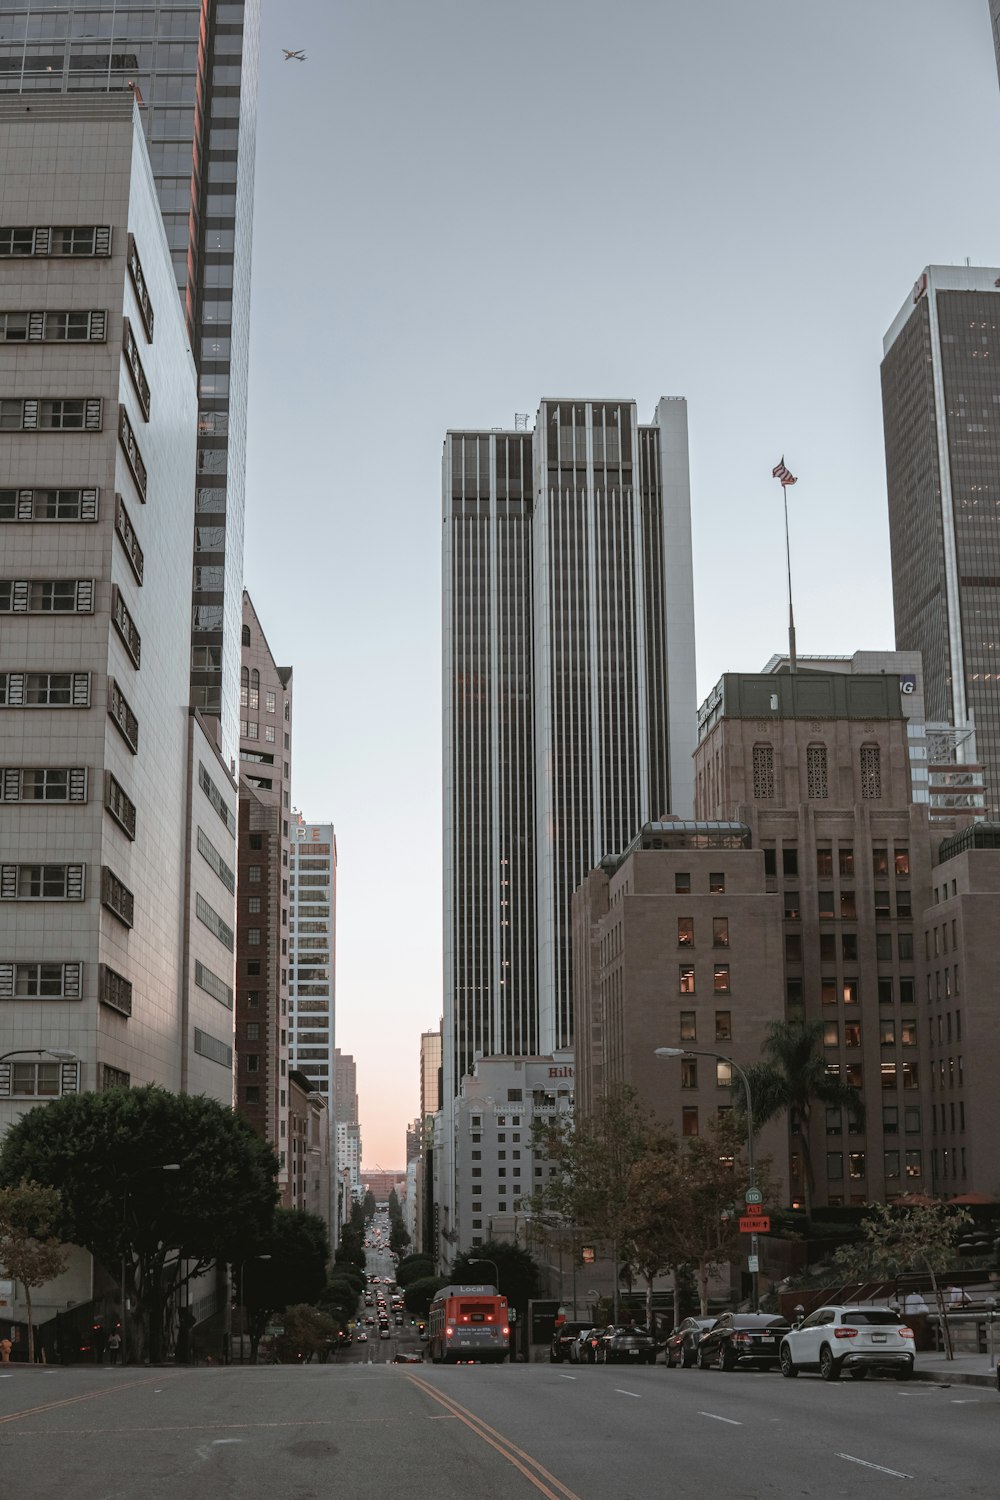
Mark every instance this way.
x=860 y=1373
x=726 y=1360
x=904 y=1372
x=688 y=1359
x=552 y=1358
x=702 y=1362
x=829 y=1368
x=787 y=1364
x=667 y=1360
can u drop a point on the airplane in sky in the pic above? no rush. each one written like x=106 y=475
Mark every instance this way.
x=294 y=55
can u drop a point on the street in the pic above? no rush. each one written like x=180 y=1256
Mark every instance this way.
x=493 y=1433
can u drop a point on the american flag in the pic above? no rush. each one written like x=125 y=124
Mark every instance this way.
x=784 y=474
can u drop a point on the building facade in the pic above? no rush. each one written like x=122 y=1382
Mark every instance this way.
x=568 y=698
x=312 y=952
x=309 y=1174
x=941 y=414
x=262 y=892
x=97 y=457
x=192 y=65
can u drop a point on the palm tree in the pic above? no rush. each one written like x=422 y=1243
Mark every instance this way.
x=792 y=1079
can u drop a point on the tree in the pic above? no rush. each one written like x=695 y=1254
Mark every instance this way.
x=30 y=1251
x=517 y=1272
x=595 y=1156
x=369 y=1205
x=104 y=1151
x=399 y=1237
x=414 y=1268
x=287 y=1267
x=351 y=1250
x=900 y=1237
x=420 y=1294
x=791 y=1079
x=340 y=1298
x=394 y=1209
x=308 y=1331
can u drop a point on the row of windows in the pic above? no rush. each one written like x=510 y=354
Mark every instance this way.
x=43 y=784
x=883 y=860
x=720 y=979
x=46 y=596
x=210 y=917
x=41 y=981
x=911 y=1162
x=795 y=947
x=134 y=365
x=38 y=1080
x=213 y=985
x=48 y=505
x=765 y=779
x=51 y=414
x=209 y=853
x=832 y=991
x=250 y=730
x=685 y=932
x=51 y=240
x=217 y=800
x=140 y=288
x=688 y=1026
x=53 y=327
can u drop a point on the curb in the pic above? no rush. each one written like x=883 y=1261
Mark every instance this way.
x=960 y=1377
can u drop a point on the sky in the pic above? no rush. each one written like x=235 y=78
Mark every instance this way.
x=463 y=207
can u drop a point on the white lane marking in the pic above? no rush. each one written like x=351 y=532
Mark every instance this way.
x=218 y=1442
x=620 y=1392
x=976 y=1402
x=896 y=1473
x=565 y=1377
x=716 y=1418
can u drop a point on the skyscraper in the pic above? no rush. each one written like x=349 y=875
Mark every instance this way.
x=193 y=67
x=941 y=412
x=569 y=696
x=312 y=958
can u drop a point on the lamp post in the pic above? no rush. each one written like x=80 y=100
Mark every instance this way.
x=170 y=1166
x=482 y=1260
x=243 y=1306
x=62 y=1053
x=724 y=1057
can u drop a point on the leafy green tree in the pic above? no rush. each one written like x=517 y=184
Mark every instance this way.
x=339 y=1298
x=420 y=1294
x=900 y=1237
x=369 y=1205
x=351 y=1250
x=517 y=1270
x=595 y=1156
x=104 y=1153
x=793 y=1078
x=394 y=1209
x=30 y=1251
x=357 y=1219
x=287 y=1267
x=414 y=1268
x=308 y=1331
x=399 y=1237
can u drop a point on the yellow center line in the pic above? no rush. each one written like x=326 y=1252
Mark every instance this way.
x=505 y=1446
x=105 y=1390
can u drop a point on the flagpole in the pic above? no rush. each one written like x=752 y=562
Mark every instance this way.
x=792 y=664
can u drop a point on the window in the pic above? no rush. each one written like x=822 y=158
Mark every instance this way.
x=115 y=990
x=213 y=922
x=890 y=1161
x=790 y=862
x=852 y=1034
x=128 y=539
x=856 y=1160
x=119 y=804
x=40 y=981
x=124 y=719
x=890 y=1119
x=793 y=947
x=213 y=985
x=130 y=447
x=269 y=703
x=48 y=596
x=253 y=937
x=716 y=883
x=887 y=1033
x=849 y=947
x=904 y=906
x=871 y=772
x=721 y=979
x=901 y=862
x=908 y=1032
x=824 y=864
x=688 y=1029
x=883 y=947
x=685 y=932
x=825 y=905
x=911 y=1119
x=689 y=1072
x=41 y=882
x=689 y=1120
x=834 y=1122
x=848 y=906
x=914 y=1164
x=217 y=800
x=253 y=1062
x=831 y=1034
x=723 y=1026
x=210 y=1047
x=43 y=784
x=251 y=1094
x=723 y=1073
x=138 y=281
x=682 y=880
x=48 y=505
x=130 y=349
x=910 y=1075
x=880 y=862
x=117 y=897
x=211 y=855
x=906 y=945
x=850 y=991
x=686 y=973
x=793 y=912
x=125 y=625
x=763 y=772
x=828 y=991
x=834 y=1164
x=816 y=772
x=35 y=1080
x=720 y=932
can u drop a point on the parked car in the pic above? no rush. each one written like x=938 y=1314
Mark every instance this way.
x=682 y=1342
x=855 y=1339
x=627 y=1346
x=583 y=1349
x=384 y=1333
x=742 y=1339
x=408 y=1359
x=562 y=1337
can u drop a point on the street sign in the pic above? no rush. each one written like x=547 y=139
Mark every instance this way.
x=753 y=1195
x=753 y=1263
x=758 y=1224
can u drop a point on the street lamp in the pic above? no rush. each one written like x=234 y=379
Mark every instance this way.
x=482 y=1260
x=724 y=1057
x=170 y=1166
x=62 y=1053
x=243 y=1306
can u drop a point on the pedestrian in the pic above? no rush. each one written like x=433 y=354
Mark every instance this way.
x=114 y=1346
x=913 y=1302
x=956 y=1297
x=5 y=1347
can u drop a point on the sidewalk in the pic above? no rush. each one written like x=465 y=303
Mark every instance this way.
x=964 y=1369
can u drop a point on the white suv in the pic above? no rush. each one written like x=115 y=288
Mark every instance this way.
x=856 y=1339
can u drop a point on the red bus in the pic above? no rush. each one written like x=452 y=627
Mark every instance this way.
x=468 y=1322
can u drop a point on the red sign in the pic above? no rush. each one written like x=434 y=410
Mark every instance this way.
x=759 y=1224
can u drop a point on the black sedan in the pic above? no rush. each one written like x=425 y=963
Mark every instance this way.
x=682 y=1342
x=562 y=1337
x=742 y=1339
x=627 y=1346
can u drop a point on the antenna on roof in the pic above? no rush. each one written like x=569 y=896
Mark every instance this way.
x=521 y=420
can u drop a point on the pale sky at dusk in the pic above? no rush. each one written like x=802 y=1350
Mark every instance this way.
x=463 y=207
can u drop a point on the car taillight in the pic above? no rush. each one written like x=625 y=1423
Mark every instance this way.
x=741 y=1338
x=905 y=1333
x=506 y=1332
x=450 y=1331
x=845 y=1333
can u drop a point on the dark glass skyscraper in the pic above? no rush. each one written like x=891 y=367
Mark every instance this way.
x=941 y=411
x=193 y=64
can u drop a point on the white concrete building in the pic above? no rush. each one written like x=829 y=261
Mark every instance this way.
x=108 y=948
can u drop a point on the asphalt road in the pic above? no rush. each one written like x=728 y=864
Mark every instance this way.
x=487 y=1433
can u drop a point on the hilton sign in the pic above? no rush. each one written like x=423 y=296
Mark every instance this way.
x=563 y=1072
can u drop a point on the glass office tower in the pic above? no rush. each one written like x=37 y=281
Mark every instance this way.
x=193 y=66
